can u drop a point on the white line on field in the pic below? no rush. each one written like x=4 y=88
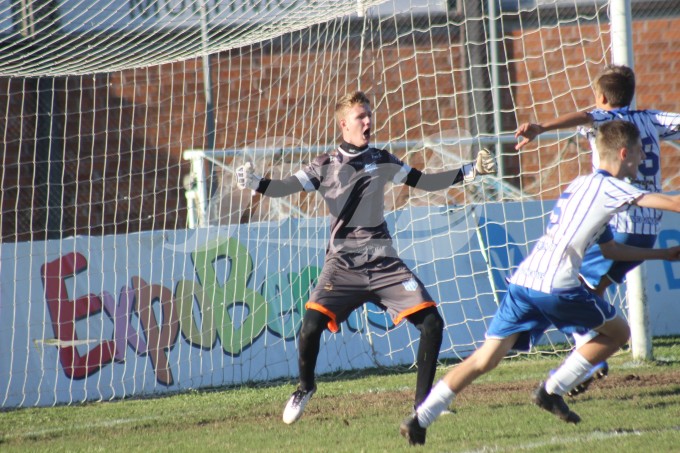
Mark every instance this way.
x=593 y=435
x=80 y=426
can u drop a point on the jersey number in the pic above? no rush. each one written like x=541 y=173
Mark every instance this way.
x=649 y=167
x=557 y=212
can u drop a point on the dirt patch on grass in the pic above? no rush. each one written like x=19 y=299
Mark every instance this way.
x=616 y=380
x=505 y=392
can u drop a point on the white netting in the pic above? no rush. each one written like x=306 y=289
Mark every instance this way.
x=132 y=265
x=72 y=37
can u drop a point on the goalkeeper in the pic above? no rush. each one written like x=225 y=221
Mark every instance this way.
x=361 y=264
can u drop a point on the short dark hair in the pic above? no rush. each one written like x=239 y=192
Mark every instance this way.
x=617 y=83
x=614 y=135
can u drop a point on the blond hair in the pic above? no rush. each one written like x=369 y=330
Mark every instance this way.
x=348 y=101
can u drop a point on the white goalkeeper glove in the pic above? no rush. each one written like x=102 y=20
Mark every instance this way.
x=246 y=177
x=484 y=165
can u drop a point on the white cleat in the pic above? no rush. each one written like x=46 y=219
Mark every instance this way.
x=296 y=405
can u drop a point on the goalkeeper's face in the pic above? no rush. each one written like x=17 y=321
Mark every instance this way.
x=356 y=125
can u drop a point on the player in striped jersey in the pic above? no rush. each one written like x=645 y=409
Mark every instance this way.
x=361 y=264
x=546 y=289
x=614 y=92
x=638 y=226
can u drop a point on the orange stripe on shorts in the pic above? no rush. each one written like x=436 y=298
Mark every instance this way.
x=332 y=324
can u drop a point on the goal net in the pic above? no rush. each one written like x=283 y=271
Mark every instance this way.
x=132 y=265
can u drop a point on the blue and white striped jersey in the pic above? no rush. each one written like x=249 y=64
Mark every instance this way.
x=579 y=219
x=654 y=125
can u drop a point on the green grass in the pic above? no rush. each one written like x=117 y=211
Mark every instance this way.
x=636 y=409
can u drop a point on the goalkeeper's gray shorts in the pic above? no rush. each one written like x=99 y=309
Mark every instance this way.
x=344 y=286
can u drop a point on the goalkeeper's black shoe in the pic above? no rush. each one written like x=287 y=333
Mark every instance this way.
x=554 y=404
x=412 y=431
x=599 y=371
x=296 y=405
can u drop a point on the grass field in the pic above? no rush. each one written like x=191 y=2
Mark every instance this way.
x=635 y=409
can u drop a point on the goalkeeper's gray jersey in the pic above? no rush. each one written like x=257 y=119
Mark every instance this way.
x=353 y=187
x=654 y=126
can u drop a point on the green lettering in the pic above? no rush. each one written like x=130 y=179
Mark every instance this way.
x=202 y=336
x=286 y=298
x=234 y=336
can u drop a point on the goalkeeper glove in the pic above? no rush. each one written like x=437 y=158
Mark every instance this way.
x=246 y=177
x=484 y=165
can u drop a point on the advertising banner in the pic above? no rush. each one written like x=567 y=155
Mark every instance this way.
x=97 y=318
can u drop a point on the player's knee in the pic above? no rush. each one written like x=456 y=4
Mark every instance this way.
x=313 y=325
x=482 y=363
x=617 y=334
x=486 y=366
x=623 y=335
x=432 y=324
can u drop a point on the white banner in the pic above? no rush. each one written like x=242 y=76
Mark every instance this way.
x=92 y=318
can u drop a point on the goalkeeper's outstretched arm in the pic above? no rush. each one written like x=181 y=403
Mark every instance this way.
x=485 y=164
x=276 y=188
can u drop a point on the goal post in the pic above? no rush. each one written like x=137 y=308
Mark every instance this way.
x=199 y=158
x=131 y=264
x=638 y=311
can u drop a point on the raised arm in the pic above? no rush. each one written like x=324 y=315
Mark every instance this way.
x=661 y=201
x=276 y=188
x=485 y=164
x=621 y=252
x=667 y=124
x=529 y=131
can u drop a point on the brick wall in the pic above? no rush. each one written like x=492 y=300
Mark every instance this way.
x=122 y=134
x=558 y=89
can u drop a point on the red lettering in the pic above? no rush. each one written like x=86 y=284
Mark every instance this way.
x=65 y=313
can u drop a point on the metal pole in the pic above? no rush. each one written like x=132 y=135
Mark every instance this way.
x=638 y=311
x=209 y=108
x=198 y=172
x=495 y=84
x=480 y=96
x=361 y=12
x=622 y=32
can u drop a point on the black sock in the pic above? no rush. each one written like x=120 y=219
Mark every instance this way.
x=431 y=326
x=313 y=325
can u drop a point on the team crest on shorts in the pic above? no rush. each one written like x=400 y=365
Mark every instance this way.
x=410 y=284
